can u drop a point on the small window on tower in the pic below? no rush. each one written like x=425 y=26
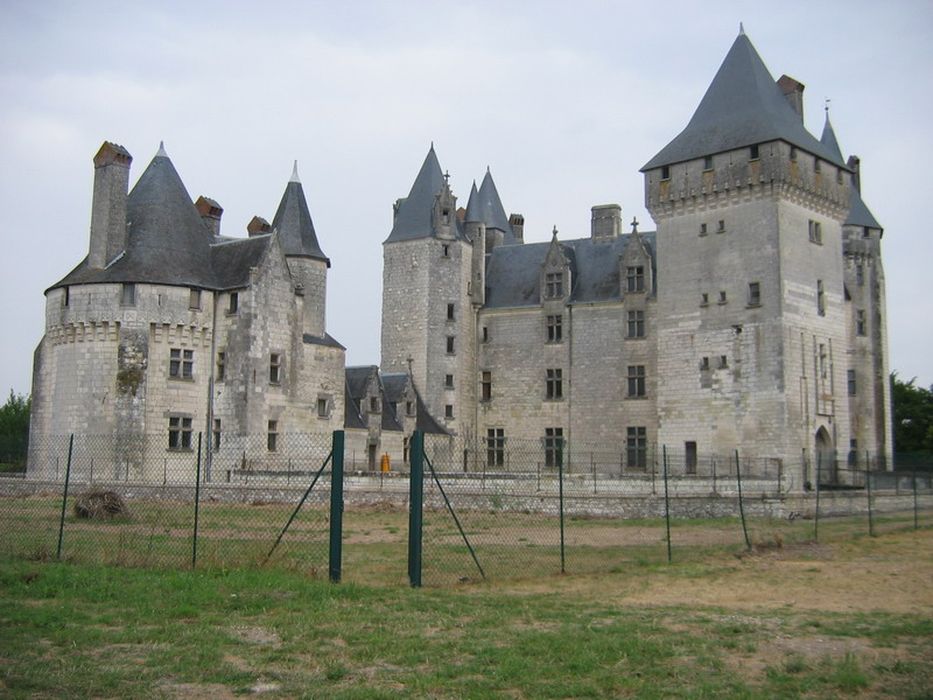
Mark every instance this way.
x=754 y=294
x=450 y=312
x=448 y=411
x=702 y=229
x=445 y=251
x=817 y=165
x=665 y=172
x=66 y=297
x=234 y=303
x=322 y=408
x=450 y=345
x=708 y=163
x=721 y=226
x=753 y=152
x=793 y=154
x=194 y=299
x=448 y=381
x=128 y=294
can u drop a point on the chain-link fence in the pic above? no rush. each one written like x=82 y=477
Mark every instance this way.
x=152 y=502
x=542 y=507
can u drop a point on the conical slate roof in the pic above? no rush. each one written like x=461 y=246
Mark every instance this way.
x=859 y=214
x=489 y=209
x=293 y=223
x=472 y=208
x=743 y=106
x=414 y=218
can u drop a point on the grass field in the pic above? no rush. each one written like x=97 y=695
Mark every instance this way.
x=847 y=617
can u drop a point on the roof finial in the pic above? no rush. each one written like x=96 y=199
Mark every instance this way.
x=162 y=152
x=741 y=29
x=634 y=224
x=294 y=177
x=555 y=231
x=826 y=106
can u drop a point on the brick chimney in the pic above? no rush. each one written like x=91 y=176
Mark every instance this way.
x=108 y=206
x=517 y=222
x=210 y=212
x=793 y=92
x=258 y=226
x=605 y=221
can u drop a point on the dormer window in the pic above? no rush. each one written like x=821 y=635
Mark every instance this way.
x=554 y=285
x=445 y=216
x=635 y=278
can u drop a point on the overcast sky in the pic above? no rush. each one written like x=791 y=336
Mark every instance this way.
x=565 y=101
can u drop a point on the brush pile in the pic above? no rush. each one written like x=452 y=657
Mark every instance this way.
x=100 y=505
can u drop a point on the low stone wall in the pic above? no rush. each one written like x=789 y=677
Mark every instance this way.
x=612 y=498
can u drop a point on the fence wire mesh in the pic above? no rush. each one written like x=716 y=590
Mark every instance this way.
x=139 y=503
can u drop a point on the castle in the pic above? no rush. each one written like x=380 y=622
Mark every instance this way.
x=752 y=318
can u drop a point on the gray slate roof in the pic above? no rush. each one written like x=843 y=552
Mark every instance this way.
x=859 y=214
x=416 y=211
x=743 y=106
x=232 y=259
x=293 y=223
x=513 y=272
x=487 y=207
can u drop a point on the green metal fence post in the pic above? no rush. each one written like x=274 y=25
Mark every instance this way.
x=197 y=506
x=336 y=506
x=816 y=515
x=738 y=481
x=415 y=505
x=560 y=496
x=667 y=507
x=61 y=524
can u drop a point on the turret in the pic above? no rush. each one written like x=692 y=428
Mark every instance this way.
x=108 y=208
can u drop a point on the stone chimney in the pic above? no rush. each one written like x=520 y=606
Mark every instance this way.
x=793 y=92
x=210 y=212
x=517 y=222
x=854 y=164
x=606 y=222
x=258 y=227
x=108 y=207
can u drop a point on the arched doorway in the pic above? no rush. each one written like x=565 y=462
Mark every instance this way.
x=825 y=457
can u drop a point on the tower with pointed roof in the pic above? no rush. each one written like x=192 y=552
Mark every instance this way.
x=752 y=316
x=168 y=329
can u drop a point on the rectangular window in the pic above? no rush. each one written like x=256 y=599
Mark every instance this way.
x=793 y=154
x=553 y=447
x=850 y=378
x=179 y=433
x=753 y=152
x=721 y=226
x=554 y=385
x=860 y=321
x=704 y=363
x=450 y=345
x=690 y=457
x=221 y=366
x=450 y=312
x=194 y=299
x=406 y=449
x=555 y=331
x=495 y=447
x=66 y=296
x=815 y=232
x=128 y=294
x=817 y=165
x=322 y=408
x=722 y=296
x=181 y=363
x=636 y=324
x=554 y=285
x=448 y=381
x=636 y=448
x=233 y=304
x=485 y=334
x=410 y=408
x=822 y=361
x=272 y=437
x=860 y=274
x=445 y=251
x=374 y=404
x=665 y=172
x=635 y=278
x=820 y=299
x=216 y=434
x=723 y=362
x=275 y=368
x=486 y=386
x=636 y=381
x=704 y=299
x=754 y=294
x=707 y=162
x=449 y=411
x=703 y=230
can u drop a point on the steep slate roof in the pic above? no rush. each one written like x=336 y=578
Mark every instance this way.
x=743 y=106
x=293 y=222
x=513 y=273
x=859 y=214
x=416 y=211
x=231 y=260
x=488 y=209
x=472 y=208
x=166 y=240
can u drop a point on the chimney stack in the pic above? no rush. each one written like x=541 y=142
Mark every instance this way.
x=258 y=226
x=210 y=212
x=854 y=164
x=517 y=222
x=606 y=222
x=108 y=207
x=793 y=92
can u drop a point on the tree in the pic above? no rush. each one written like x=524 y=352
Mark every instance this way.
x=913 y=416
x=14 y=429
